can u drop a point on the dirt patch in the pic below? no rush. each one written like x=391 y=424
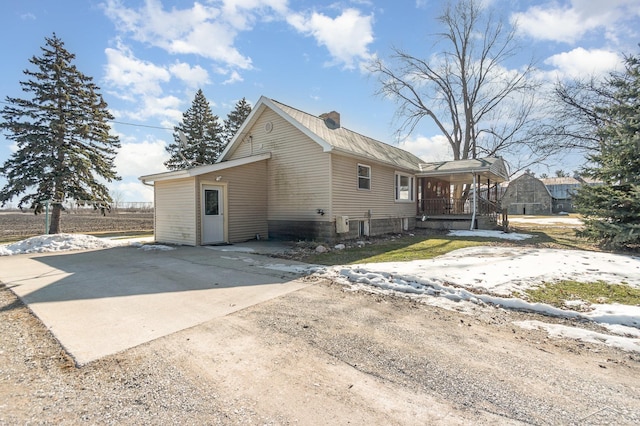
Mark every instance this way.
x=16 y=225
x=323 y=355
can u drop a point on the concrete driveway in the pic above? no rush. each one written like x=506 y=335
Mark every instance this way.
x=102 y=302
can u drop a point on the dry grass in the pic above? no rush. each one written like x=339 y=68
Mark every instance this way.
x=15 y=226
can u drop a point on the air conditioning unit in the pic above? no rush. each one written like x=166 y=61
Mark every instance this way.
x=342 y=224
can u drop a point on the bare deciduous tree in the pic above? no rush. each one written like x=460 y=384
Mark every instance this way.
x=465 y=87
x=574 y=114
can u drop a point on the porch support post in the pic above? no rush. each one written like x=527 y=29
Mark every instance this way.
x=475 y=202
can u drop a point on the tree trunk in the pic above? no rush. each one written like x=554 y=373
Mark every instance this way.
x=54 y=225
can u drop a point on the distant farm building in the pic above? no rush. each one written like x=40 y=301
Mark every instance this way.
x=562 y=190
x=527 y=195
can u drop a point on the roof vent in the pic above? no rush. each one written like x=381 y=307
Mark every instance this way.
x=331 y=119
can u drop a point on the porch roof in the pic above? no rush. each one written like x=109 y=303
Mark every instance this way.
x=462 y=171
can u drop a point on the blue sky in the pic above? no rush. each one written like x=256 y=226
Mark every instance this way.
x=150 y=56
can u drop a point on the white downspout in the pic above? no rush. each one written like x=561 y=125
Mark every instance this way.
x=475 y=202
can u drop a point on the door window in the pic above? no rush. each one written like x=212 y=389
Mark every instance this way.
x=211 y=204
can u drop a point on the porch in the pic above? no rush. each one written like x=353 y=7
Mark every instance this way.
x=460 y=194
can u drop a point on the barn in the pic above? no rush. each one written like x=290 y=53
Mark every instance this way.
x=527 y=195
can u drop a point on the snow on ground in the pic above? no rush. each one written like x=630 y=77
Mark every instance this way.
x=496 y=276
x=546 y=220
x=464 y=280
x=153 y=247
x=64 y=242
x=490 y=234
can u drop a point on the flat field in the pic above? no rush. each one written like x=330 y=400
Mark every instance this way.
x=16 y=225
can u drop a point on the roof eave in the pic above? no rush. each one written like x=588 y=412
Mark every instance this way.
x=201 y=170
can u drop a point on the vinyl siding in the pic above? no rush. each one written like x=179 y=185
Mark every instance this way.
x=298 y=172
x=176 y=211
x=350 y=201
x=246 y=200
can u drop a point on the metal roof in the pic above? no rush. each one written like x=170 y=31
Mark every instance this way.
x=462 y=171
x=345 y=141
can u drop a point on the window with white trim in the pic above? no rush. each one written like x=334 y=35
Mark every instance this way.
x=364 y=177
x=404 y=187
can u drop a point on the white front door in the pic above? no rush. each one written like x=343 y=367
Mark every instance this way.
x=212 y=214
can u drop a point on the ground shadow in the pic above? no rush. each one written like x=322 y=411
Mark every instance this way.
x=128 y=271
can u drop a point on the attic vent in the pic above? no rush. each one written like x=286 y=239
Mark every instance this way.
x=331 y=119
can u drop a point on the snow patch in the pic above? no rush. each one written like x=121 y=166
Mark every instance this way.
x=628 y=344
x=490 y=234
x=155 y=247
x=498 y=276
x=56 y=243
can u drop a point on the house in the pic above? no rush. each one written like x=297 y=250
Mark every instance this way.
x=527 y=195
x=562 y=190
x=288 y=174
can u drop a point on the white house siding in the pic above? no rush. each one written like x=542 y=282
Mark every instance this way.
x=348 y=200
x=298 y=171
x=246 y=200
x=175 y=211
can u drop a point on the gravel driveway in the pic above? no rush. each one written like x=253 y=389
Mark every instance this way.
x=322 y=355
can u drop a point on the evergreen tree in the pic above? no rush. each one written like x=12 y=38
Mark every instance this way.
x=235 y=119
x=64 y=150
x=203 y=134
x=612 y=210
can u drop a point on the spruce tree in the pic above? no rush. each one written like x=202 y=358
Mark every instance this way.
x=203 y=134
x=64 y=148
x=612 y=210
x=235 y=119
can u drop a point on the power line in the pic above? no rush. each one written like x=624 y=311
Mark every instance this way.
x=141 y=125
x=121 y=122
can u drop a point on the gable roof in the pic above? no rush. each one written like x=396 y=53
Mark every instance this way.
x=338 y=140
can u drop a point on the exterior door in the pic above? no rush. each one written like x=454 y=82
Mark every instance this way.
x=212 y=214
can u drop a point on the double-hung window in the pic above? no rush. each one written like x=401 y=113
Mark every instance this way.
x=404 y=187
x=364 y=177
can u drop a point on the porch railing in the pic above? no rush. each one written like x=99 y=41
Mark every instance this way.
x=457 y=206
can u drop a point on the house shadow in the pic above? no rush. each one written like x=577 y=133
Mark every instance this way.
x=129 y=271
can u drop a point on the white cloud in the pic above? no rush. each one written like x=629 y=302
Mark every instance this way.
x=435 y=148
x=582 y=63
x=346 y=37
x=133 y=191
x=141 y=82
x=242 y=13
x=233 y=78
x=186 y=31
x=570 y=22
x=137 y=159
x=195 y=76
x=167 y=107
x=125 y=71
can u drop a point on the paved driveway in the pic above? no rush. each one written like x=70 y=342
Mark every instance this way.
x=101 y=302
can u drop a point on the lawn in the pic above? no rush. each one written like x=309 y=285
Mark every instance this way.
x=400 y=249
x=547 y=234
x=407 y=247
x=558 y=293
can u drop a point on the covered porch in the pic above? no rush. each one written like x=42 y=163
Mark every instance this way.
x=460 y=194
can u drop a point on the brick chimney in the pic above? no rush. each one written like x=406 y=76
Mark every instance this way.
x=331 y=119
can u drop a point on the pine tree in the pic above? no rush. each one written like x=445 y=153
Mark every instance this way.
x=65 y=150
x=235 y=119
x=612 y=210
x=203 y=133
